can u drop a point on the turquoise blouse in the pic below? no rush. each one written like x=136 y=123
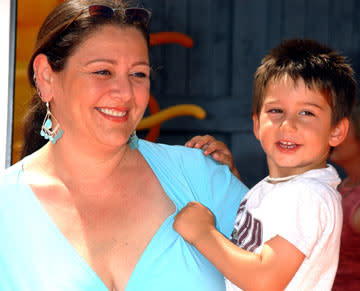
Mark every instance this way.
x=35 y=255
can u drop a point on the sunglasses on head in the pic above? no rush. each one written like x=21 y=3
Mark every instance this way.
x=134 y=15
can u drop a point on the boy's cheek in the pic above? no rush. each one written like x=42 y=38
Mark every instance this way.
x=256 y=125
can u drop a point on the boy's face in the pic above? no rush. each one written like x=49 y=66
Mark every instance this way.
x=294 y=128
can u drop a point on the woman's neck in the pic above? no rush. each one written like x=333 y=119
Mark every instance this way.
x=351 y=181
x=352 y=170
x=88 y=166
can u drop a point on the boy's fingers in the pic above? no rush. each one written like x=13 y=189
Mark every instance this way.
x=191 y=143
x=217 y=146
x=203 y=141
x=210 y=148
x=199 y=141
x=222 y=158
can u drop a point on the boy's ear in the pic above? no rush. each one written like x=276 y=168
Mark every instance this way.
x=256 y=125
x=43 y=76
x=339 y=132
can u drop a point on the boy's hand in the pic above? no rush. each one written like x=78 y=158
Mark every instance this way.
x=194 y=222
x=217 y=149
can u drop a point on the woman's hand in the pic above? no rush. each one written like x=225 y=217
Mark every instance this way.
x=217 y=149
x=194 y=222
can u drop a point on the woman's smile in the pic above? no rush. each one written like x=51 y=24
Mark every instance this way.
x=113 y=113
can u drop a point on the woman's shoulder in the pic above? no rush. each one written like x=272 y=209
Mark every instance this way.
x=162 y=148
x=171 y=153
x=10 y=185
x=11 y=174
x=186 y=162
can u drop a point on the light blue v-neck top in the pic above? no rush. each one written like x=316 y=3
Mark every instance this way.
x=34 y=254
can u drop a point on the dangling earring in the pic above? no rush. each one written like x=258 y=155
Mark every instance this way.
x=48 y=131
x=133 y=141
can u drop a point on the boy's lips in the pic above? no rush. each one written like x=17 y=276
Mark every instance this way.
x=287 y=144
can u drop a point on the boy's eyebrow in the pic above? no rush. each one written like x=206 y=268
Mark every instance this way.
x=305 y=103
x=314 y=105
x=270 y=102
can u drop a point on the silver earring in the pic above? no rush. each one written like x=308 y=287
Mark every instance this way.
x=133 y=141
x=48 y=129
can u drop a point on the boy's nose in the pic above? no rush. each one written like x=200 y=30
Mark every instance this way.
x=289 y=123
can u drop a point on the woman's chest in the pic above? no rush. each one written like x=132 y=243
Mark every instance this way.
x=111 y=234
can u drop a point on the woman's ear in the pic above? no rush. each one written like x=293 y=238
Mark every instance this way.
x=339 y=132
x=256 y=125
x=43 y=77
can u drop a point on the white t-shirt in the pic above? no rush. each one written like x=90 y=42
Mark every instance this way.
x=306 y=211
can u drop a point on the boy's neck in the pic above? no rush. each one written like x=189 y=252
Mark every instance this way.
x=275 y=180
x=283 y=173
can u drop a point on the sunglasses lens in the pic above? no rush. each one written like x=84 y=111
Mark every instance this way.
x=137 y=15
x=100 y=10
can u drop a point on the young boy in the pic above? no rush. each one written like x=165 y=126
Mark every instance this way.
x=287 y=229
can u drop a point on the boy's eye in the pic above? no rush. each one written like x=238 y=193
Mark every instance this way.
x=102 y=72
x=275 y=110
x=307 y=113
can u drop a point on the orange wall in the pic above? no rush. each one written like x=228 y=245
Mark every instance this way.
x=30 y=15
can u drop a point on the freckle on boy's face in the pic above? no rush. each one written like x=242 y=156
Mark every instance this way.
x=293 y=127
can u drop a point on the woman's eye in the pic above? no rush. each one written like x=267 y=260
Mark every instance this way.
x=102 y=72
x=139 y=75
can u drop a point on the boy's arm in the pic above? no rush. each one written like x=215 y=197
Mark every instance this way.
x=271 y=270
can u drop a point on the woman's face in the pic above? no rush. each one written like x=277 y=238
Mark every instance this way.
x=348 y=151
x=103 y=91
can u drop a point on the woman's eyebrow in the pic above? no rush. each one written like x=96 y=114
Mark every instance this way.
x=113 y=62
x=100 y=60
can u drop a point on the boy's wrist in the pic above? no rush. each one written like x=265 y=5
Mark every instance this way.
x=205 y=237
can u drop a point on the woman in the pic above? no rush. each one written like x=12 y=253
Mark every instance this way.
x=91 y=210
x=347 y=156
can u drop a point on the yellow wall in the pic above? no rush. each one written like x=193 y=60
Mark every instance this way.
x=30 y=15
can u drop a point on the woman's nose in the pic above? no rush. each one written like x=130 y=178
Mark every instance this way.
x=122 y=88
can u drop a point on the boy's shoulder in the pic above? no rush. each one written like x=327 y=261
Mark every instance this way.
x=317 y=181
x=317 y=184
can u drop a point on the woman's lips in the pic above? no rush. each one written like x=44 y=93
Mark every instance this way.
x=113 y=114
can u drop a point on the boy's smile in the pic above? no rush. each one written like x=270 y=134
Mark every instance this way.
x=294 y=127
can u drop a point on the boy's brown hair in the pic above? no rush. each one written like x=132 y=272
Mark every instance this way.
x=320 y=67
